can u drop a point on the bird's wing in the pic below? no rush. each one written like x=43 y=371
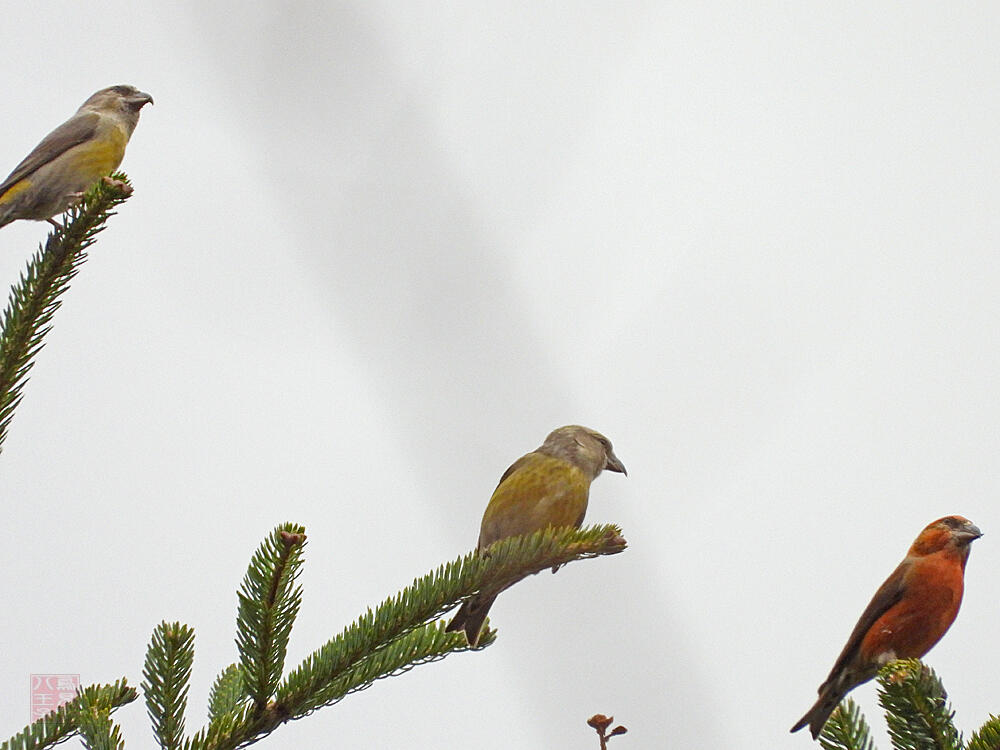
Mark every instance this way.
x=525 y=459
x=535 y=492
x=503 y=511
x=887 y=595
x=71 y=133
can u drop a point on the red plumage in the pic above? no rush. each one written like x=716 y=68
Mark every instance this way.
x=908 y=614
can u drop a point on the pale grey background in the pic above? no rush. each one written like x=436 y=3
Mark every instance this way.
x=378 y=250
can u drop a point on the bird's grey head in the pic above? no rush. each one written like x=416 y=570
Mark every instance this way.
x=585 y=448
x=123 y=100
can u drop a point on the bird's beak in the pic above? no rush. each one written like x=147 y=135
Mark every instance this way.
x=613 y=464
x=137 y=100
x=969 y=532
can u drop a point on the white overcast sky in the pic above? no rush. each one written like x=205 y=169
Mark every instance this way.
x=377 y=250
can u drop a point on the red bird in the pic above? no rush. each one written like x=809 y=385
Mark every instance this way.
x=908 y=614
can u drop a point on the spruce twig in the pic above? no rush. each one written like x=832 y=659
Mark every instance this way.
x=269 y=602
x=916 y=706
x=227 y=692
x=62 y=723
x=600 y=723
x=97 y=730
x=35 y=298
x=846 y=729
x=987 y=737
x=428 y=597
x=167 y=675
x=398 y=635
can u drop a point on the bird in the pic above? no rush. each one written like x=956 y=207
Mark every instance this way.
x=547 y=487
x=909 y=613
x=85 y=148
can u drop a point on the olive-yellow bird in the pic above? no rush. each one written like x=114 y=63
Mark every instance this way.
x=85 y=148
x=547 y=487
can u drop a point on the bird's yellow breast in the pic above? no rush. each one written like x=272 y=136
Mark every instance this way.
x=102 y=154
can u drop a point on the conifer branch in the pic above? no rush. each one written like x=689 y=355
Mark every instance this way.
x=269 y=602
x=97 y=730
x=917 y=709
x=167 y=674
x=421 y=646
x=846 y=729
x=398 y=635
x=987 y=737
x=227 y=692
x=64 y=722
x=35 y=298
x=507 y=561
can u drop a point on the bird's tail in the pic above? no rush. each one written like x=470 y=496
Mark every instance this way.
x=471 y=616
x=817 y=715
